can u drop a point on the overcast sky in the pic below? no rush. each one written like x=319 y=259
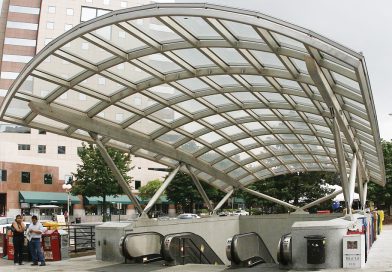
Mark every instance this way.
x=364 y=26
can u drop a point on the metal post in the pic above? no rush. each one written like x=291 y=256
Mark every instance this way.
x=117 y=174
x=223 y=201
x=68 y=202
x=200 y=189
x=161 y=189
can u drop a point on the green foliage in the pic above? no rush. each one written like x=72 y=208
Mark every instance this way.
x=94 y=178
x=381 y=196
x=297 y=189
x=147 y=191
x=182 y=191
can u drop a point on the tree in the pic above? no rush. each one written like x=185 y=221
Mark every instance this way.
x=182 y=191
x=147 y=191
x=297 y=189
x=381 y=196
x=94 y=178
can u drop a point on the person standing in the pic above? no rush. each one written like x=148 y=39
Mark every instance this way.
x=18 y=228
x=35 y=231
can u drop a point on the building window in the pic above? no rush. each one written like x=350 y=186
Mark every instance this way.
x=3 y=175
x=138 y=184
x=41 y=131
x=61 y=149
x=23 y=147
x=51 y=9
x=25 y=177
x=41 y=148
x=48 y=178
x=70 y=12
x=49 y=25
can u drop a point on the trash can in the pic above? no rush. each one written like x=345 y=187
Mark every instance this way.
x=64 y=244
x=78 y=220
x=315 y=249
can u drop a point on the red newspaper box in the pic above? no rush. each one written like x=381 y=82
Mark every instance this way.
x=10 y=246
x=3 y=244
x=51 y=245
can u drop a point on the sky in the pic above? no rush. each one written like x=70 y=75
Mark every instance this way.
x=362 y=25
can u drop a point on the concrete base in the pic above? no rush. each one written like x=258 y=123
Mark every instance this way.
x=107 y=237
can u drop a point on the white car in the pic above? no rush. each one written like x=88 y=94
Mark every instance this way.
x=5 y=222
x=241 y=212
x=188 y=216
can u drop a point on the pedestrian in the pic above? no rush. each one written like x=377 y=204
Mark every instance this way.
x=35 y=231
x=18 y=228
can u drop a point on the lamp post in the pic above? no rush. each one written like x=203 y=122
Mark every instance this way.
x=67 y=188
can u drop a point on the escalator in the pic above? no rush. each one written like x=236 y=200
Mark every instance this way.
x=143 y=247
x=247 y=250
x=186 y=247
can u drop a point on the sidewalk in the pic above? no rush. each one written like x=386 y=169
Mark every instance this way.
x=380 y=259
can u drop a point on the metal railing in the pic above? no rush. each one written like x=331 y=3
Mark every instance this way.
x=81 y=237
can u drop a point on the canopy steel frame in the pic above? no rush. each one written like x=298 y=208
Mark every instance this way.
x=270 y=198
x=322 y=199
x=200 y=188
x=223 y=200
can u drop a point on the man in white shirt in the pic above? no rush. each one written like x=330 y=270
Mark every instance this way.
x=35 y=231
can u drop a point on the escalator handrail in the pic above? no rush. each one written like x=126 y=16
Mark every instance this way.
x=125 y=252
x=234 y=254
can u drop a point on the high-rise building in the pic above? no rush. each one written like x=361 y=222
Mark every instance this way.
x=34 y=163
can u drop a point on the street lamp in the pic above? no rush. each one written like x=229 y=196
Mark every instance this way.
x=67 y=188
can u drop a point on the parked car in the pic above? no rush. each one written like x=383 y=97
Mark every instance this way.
x=241 y=212
x=188 y=216
x=4 y=223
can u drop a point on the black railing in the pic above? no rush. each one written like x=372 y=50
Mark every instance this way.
x=81 y=237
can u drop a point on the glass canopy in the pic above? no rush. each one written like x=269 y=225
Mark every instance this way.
x=224 y=90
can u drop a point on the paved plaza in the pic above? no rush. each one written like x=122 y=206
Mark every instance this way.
x=380 y=259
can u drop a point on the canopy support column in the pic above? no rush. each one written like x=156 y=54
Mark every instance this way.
x=270 y=198
x=161 y=189
x=321 y=200
x=200 y=189
x=361 y=190
x=223 y=201
x=117 y=174
x=351 y=181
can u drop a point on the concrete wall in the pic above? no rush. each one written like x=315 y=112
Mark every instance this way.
x=272 y=227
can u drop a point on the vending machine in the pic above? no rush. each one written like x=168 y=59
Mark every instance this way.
x=51 y=245
x=354 y=251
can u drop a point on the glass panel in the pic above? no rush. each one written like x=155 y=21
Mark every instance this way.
x=161 y=63
x=87 y=51
x=192 y=127
x=247 y=179
x=224 y=80
x=204 y=176
x=228 y=147
x=117 y=115
x=237 y=173
x=101 y=85
x=224 y=164
x=278 y=148
x=18 y=108
x=74 y=102
x=276 y=124
x=288 y=113
x=211 y=137
x=242 y=31
x=296 y=147
x=139 y=101
x=254 y=126
x=264 y=112
x=192 y=106
x=191 y=147
x=243 y=156
x=263 y=174
x=274 y=97
x=38 y=87
x=60 y=68
x=288 y=158
x=244 y=97
x=256 y=80
x=288 y=137
x=198 y=27
x=230 y=56
x=302 y=100
x=193 y=84
x=288 y=83
x=345 y=81
x=154 y=28
x=165 y=91
x=247 y=142
x=145 y=126
x=268 y=59
x=300 y=65
x=194 y=57
x=288 y=42
x=130 y=72
x=215 y=119
x=121 y=39
x=298 y=125
x=210 y=156
x=253 y=166
x=217 y=100
x=232 y=130
x=270 y=161
x=171 y=137
x=167 y=115
x=238 y=114
x=260 y=151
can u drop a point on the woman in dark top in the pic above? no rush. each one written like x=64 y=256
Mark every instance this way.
x=18 y=239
